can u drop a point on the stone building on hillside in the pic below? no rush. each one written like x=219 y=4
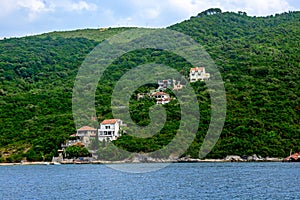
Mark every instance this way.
x=85 y=134
x=164 y=84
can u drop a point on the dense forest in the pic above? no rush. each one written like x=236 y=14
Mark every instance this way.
x=258 y=58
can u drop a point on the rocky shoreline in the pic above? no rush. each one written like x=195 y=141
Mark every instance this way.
x=139 y=159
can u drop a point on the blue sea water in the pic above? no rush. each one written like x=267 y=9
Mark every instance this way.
x=176 y=181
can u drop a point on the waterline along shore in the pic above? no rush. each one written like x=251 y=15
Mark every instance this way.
x=181 y=160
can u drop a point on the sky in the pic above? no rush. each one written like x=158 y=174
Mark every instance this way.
x=30 y=17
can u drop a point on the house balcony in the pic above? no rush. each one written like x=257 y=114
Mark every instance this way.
x=80 y=134
x=106 y=133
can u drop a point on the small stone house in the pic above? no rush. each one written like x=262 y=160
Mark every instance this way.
x=85 y=133
x=164 y=84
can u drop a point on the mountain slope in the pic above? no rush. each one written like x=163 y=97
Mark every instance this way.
x=36 y=79
x=259 y=62
x=260 y=65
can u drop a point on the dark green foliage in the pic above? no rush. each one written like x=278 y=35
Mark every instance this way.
x=258 y=58
x=31 y=155
x=111 y=152
x=76 y=151
x=36 y=80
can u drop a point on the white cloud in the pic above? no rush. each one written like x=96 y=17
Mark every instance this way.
x=252 y=7
x=147 y=9
x=193 y=7
x=69 y=5
x=144 y=10
x=267 y=7
x=81 y=5
x=32 y=5
x=152 y=13
x=44 y=15
x=189 y=6
x=162 y=13
x=6 y=8
x=33 y=8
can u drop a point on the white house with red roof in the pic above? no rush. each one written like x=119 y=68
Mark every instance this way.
x=198 y=73
x=109 y=129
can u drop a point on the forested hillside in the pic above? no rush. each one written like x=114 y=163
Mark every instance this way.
x=259 y=62
x=37 y=75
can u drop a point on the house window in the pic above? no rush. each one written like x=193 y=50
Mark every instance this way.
x=107 y=127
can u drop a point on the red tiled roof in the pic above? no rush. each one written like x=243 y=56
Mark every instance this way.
x=80 y=144
x=197 y=69
x=295 y=156
x=86 y=128
x=109 y=121
x=159 y=93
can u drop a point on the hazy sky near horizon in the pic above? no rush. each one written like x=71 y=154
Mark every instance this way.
x=27 y=17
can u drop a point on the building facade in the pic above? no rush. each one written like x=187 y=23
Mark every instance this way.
x=161 y=97
x=85 y=133
x=198 y=73
x=164 y=84
x=109 y=129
